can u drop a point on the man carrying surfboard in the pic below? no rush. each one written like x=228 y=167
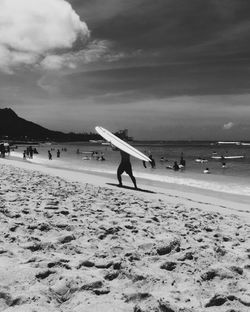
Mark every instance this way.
x=125 y=166
x=126 y=150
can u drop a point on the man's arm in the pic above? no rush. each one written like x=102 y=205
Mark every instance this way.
x=114 y=148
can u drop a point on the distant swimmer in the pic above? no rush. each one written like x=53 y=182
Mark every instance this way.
x=163 y=159
x=125 y=166
x=181 y=167
x=101 y=157
x=207 y=171
x=176 y=166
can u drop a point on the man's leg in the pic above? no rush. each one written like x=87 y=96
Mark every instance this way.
x=119 y=174
x=130 y=173
x=133 y=180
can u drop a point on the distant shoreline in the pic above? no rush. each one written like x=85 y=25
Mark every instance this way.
x=135 y=141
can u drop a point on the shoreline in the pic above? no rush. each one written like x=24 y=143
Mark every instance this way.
x=204 y=182
x=211 y=182
x=166 y=189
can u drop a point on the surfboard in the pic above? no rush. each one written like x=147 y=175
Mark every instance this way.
x=227 y=157
x=117 y=142
x=201 y=160
x=229 y=142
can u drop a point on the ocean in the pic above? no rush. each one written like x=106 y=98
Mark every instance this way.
x=234 y=178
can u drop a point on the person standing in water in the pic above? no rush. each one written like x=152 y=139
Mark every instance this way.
x=152 y=162
x=175 y=166
x=182 y=160
x=125 y=165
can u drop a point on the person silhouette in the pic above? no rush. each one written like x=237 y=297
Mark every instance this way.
x=182 y=161
x=49 y=155
x=175 y=166
x=152 y=161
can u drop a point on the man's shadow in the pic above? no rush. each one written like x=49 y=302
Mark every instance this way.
x=131 y=188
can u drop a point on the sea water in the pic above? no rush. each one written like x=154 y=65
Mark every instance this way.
x=234 y=178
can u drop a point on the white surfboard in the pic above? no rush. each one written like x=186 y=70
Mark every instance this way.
x=201 y=160
x=227 y=157
x=117 y=142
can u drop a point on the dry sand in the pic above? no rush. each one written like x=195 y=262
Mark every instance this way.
x=70 y=246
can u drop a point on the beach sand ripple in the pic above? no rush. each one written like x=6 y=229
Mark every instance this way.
x=72 y=248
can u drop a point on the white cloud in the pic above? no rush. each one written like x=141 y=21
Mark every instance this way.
x=93 y=52
x=31 y=30
x=228 y=125
x=96 y=50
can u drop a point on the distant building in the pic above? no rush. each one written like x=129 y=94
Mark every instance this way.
x=123 y=134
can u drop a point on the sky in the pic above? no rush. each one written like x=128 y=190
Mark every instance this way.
x=163 y=69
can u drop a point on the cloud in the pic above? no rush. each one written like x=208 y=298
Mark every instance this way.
x=94 y=51
x=33 y=30
x=172 y=29
x=228 y=125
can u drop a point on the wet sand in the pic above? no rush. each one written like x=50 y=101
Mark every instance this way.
x=72 y=242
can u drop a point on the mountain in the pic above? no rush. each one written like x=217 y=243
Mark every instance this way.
x=16 y=128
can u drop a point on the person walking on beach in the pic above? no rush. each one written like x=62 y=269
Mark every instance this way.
x=58 y=153
x=49 y=155
x=2 y=150
x=27 y=152
x=8 y=149
x=31 y=152
x=125 y=166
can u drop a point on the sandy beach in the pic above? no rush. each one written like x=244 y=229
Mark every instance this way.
x=76 y=242
x=155 y=91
